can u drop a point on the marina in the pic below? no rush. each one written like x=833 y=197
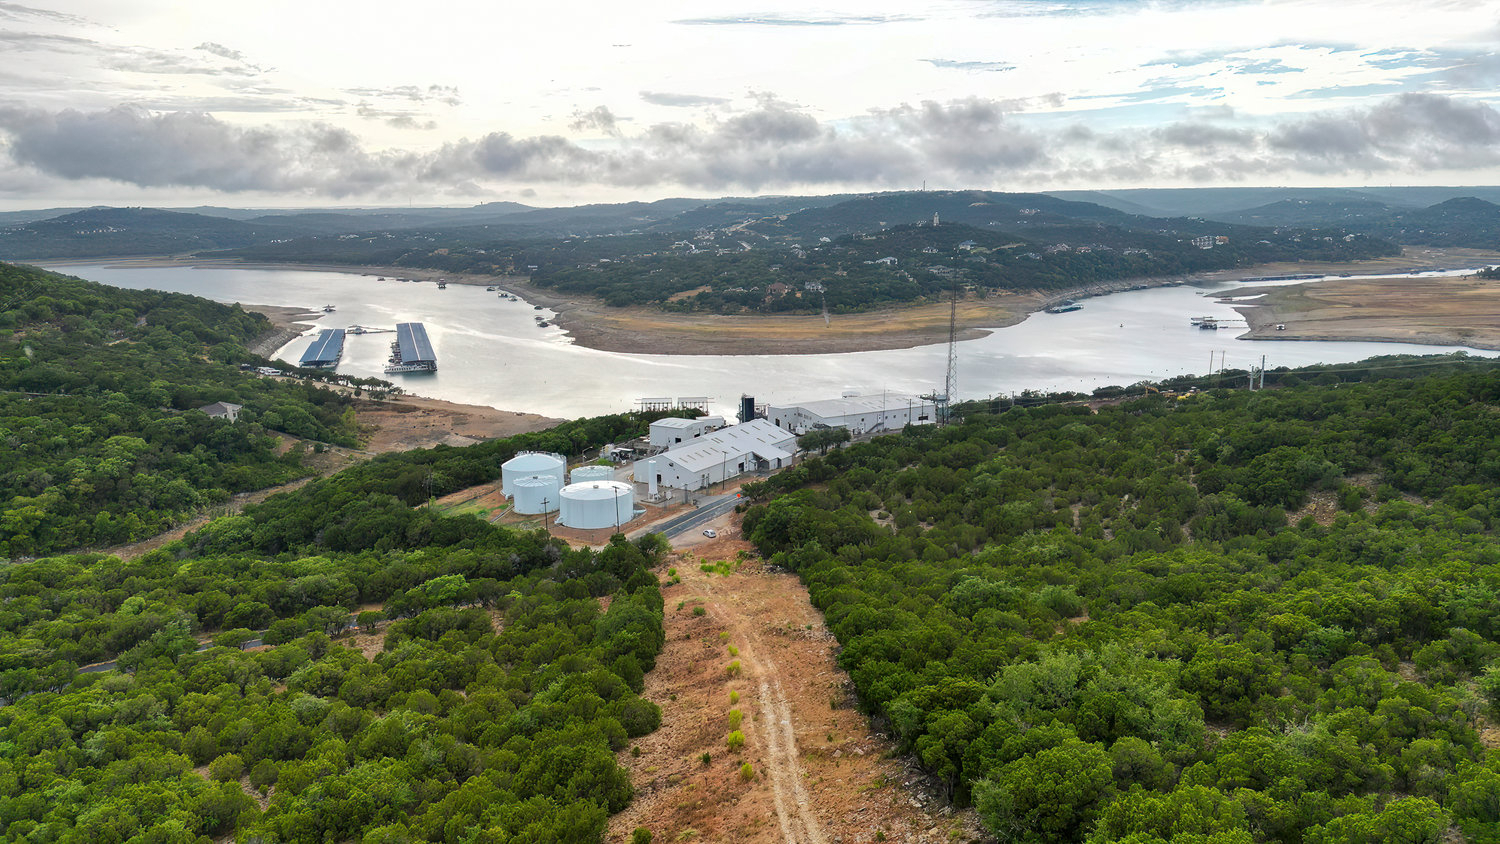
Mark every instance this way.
x=325 y=351
x=494 y=353
x=411 y=351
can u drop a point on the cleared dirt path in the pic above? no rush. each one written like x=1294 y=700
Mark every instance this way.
x=820 y=775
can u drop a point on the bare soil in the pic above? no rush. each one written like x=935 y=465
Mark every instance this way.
x=409 y=422
x=820 y=774
x=1437 y=311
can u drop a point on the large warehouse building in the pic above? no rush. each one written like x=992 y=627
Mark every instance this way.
x=672 y=431
x=860 y=414
x=752 y=446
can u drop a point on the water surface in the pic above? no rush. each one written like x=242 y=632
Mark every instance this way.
x=490 y=351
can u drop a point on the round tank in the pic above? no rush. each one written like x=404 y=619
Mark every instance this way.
x=536 y=495
x=596 y=504
x=530 y=464
x=592 y=473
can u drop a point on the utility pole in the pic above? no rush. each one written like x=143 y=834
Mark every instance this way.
x=545 y=525
x=1262 y=372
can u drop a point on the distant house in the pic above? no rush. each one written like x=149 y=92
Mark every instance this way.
x=967 y=245
x=222 y=410
x=778 y=289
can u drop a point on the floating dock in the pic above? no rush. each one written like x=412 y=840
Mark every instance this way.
x=412 y=351
x=325 y=351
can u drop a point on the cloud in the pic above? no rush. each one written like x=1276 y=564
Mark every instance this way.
x=782 y=20
x=667 y=98
x=950 y=64
x=773 y=145
x=599 y=119
x=445 y=94
x=16 y=11
x=185 y=149
x=396 y=119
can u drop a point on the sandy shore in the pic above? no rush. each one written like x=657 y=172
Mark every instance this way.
x=1459 y=311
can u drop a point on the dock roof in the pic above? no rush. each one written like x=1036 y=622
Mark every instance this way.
x=325 y=348
x=411 y=338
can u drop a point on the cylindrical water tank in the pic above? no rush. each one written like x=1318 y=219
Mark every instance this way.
x=530 y=464
x=536 y=495
x=592 y=473
x=596 y=504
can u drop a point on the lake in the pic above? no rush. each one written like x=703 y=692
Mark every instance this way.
x=491 y=352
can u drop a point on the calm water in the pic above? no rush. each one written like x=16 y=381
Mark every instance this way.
x=491 y=352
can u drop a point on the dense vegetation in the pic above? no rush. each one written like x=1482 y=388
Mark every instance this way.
x=100 y=441
x=491 y=713
x=912 y=263
x=1129 y=626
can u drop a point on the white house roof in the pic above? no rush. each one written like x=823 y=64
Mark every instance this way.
x=675 y=422
x=727 y=445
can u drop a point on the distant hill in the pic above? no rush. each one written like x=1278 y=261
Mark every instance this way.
x=110 y=232
x=1353 y=211
x=1221 y=203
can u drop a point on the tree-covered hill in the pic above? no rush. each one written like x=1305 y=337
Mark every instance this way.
x=1130 y=625
x=100 y=441
x=490 y=710
x=110 y=232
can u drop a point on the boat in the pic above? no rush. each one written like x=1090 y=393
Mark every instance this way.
x=536 y=307
x=1064 y=307
x=541 y=325
x=490 y=289
x=442 y=285
x=328 y=309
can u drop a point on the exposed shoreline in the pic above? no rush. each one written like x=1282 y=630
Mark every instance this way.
x=644 y=330
x=1452 y=311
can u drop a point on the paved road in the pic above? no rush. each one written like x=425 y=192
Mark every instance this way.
x=711 y=509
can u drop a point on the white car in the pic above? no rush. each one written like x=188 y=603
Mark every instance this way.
x=710 y=533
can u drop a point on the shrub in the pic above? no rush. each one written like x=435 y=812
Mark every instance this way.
x=736 y=740
x=735 y=717
x=747 y=772
x=226 y=768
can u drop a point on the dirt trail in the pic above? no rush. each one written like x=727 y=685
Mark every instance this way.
x=820 y=775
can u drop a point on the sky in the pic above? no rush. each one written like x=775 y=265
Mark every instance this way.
x=343 y=103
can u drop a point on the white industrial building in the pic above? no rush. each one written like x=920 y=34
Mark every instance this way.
x=860 y=414
x=715 y=457
x=670 y=432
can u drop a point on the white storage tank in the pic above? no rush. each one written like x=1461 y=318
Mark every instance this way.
x=529 y=464
x=536 y=495
x=597 y=504
x=592 y=473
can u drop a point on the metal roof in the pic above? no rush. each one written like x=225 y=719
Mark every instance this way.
x=723 y=446
x=325 y=348
x=412 y=340
x=852 y=405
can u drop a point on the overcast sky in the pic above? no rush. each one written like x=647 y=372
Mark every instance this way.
x=336 y=102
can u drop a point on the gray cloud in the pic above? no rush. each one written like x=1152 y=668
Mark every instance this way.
x=221 y=51
x=667 y=98
x=774 y=145
x=599 y=119
x=16 y=11
x=186 y=149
